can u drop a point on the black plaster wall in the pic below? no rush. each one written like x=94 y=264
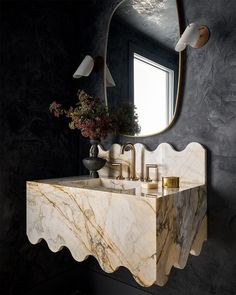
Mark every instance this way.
x=40 y=48
x=41 y=43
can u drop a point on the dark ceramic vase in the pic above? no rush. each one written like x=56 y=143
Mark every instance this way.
x=93 y=163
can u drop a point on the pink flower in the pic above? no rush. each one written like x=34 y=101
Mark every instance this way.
x=89 y=115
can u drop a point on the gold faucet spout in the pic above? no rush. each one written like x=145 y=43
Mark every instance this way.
x=130 y=147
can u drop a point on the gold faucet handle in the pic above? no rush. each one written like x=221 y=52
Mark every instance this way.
x=120 y=176
x=148 y=167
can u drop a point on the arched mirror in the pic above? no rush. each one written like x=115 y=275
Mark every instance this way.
x=143 y=70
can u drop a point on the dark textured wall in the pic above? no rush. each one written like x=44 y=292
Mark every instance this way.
x=40 y=49
x=41 y=43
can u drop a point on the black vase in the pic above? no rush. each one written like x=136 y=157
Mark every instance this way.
x=93 y=163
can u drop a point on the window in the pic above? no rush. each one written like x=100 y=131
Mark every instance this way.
x=153 y=94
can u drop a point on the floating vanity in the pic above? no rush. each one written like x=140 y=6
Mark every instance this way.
x=120 y=223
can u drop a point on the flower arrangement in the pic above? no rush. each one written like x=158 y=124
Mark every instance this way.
x=89 y=115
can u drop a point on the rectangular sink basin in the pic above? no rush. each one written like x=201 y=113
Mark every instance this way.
x=106 y=184
x=113 y=185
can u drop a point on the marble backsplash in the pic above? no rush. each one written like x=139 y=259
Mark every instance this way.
x=188 y=164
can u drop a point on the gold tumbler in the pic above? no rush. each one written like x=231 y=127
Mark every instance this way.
x=170 y=182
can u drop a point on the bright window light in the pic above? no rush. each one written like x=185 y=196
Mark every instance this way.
x=153 y=94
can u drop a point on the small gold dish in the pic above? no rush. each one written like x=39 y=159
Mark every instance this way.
x=170 y=182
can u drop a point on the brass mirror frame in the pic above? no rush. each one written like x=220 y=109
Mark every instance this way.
x=180 y=69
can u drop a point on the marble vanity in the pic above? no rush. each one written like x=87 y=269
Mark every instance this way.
x=148 y=231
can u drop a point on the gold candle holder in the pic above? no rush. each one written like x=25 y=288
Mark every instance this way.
x=170 y=182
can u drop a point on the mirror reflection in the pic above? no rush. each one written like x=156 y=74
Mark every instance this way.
x=144 y=65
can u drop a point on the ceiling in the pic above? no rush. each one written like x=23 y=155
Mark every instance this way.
x=158 y=19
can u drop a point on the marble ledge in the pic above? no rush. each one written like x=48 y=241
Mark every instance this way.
x=146 y=233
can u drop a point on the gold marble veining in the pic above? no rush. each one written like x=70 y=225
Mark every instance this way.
x=147 y=235
x=148 y=231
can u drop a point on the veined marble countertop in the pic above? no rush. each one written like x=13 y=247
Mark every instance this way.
x=110 y=184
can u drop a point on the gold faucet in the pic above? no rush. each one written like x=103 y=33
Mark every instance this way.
x=148 y=166
x=120 y=176
x=130 y=147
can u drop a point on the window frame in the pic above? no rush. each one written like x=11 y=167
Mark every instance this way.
x=169 y=82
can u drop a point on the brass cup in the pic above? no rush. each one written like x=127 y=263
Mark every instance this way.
x=170 y=182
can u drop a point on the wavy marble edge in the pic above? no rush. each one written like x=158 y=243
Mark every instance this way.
x=195 y=250
x=197 y=245
x=81 y=259
x=158 y=146
x=163 y=153
x=200 y=238
x=36 y=236
x=178 y=253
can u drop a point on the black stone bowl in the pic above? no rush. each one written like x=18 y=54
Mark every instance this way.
x=93 y=164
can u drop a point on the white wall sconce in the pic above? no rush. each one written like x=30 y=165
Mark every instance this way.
x=89 y=64
x=85 y=68
x=194 y=35
x=109 y=79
